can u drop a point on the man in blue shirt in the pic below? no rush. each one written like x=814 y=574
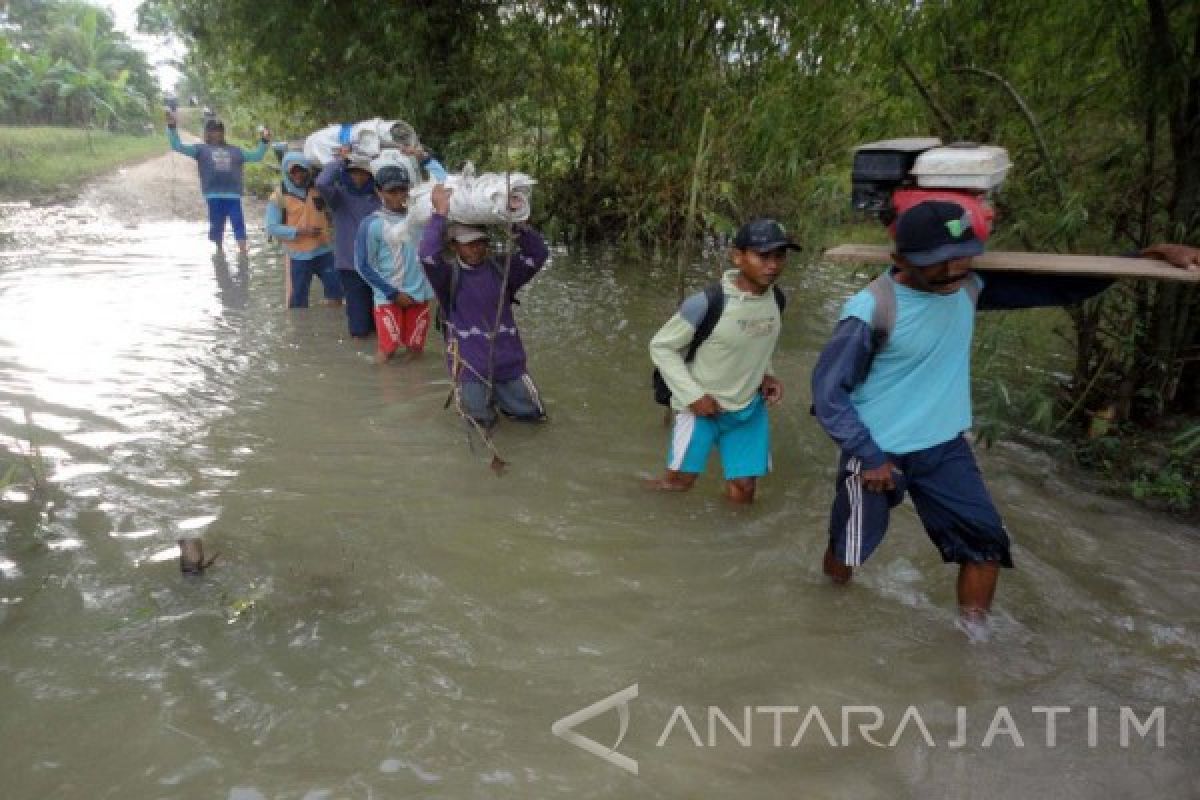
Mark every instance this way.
x=220 y=167
x=893 y=390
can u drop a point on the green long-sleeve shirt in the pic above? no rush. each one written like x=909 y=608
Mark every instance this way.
x=731 y=363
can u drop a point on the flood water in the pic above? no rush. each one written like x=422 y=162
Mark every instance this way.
x=389 y=619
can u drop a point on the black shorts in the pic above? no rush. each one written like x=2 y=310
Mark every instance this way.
x=947 y=489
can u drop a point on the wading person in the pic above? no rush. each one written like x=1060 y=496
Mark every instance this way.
x=220 y=166
x=892 y=388
x=296 y=218
x=484 y=350
x=385 y=255
x=349 y=191
x=721 y=393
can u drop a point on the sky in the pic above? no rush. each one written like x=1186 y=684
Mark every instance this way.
x=158 y=51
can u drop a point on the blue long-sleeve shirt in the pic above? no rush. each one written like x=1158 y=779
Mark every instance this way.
x=385 y=255
x=915 y=392
x=220 y=166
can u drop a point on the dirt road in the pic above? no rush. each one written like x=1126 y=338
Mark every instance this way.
x=165 y=187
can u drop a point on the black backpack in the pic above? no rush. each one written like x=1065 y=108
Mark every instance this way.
x=715 y=296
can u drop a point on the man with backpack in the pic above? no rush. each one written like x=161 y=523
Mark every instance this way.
x=892 y=388
x=714 y=358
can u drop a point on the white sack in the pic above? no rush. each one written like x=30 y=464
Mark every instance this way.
x=478 y=199
x=367 y=137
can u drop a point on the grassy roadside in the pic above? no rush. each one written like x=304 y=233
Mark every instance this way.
x=39 y=164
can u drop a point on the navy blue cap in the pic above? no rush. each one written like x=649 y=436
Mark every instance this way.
x=763 y=236
x=932 y=232
x=392 y=176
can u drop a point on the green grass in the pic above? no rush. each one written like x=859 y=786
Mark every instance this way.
x=40 y=163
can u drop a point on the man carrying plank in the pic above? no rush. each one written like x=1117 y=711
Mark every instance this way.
x=892 y=388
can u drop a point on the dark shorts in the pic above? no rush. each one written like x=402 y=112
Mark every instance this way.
x=221 y=209
x=360 y=303
x=304 y=270
x=946 y=488
x=518 y=399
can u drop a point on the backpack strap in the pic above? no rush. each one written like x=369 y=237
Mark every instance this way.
x=974 y=288
x=883 y=317
x=715 y=295
x=780 y=297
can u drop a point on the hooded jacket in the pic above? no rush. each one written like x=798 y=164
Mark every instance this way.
x=292 y=207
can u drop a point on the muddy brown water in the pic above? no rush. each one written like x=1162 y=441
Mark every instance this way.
x=388 y=619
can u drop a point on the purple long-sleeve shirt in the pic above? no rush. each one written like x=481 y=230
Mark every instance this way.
x=471 y=315
x=349 y=204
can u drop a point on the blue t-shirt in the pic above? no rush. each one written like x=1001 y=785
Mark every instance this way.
x=918 y=392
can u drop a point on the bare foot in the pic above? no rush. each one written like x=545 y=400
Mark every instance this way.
x=974 y=623
x=838 y=572
x=666 y=485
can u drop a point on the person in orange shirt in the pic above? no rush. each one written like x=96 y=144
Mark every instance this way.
x=296 y=219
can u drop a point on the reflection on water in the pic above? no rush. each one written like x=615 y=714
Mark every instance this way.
x=389 y=619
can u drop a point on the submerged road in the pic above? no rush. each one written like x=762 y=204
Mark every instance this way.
x=389 y=619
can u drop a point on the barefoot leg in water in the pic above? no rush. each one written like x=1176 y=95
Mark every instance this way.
x=976 y=588
x=838 y=572
x=741 y=490
x=672 y=481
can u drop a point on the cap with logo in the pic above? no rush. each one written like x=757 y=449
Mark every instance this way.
x=932 y=232
x=763 y=236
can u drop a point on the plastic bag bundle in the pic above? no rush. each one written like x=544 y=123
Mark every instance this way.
x=369 y=138
x=487 y=199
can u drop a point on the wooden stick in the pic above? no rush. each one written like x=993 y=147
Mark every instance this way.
x=1053 y=263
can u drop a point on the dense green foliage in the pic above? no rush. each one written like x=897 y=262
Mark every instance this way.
x=62 y=63
x=606 y=102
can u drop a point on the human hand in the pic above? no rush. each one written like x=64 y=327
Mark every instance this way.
x=172 y=120
x=264 y=133
x=403 y=300
x=706 y=406
x=1177 y=255
x=772 y=390
x=439 y=198
x=417 y=151
x=879 y=479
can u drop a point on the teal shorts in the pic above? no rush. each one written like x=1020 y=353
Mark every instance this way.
x=742 y=438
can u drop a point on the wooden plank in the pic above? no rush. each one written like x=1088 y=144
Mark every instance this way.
x=1056 y=263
